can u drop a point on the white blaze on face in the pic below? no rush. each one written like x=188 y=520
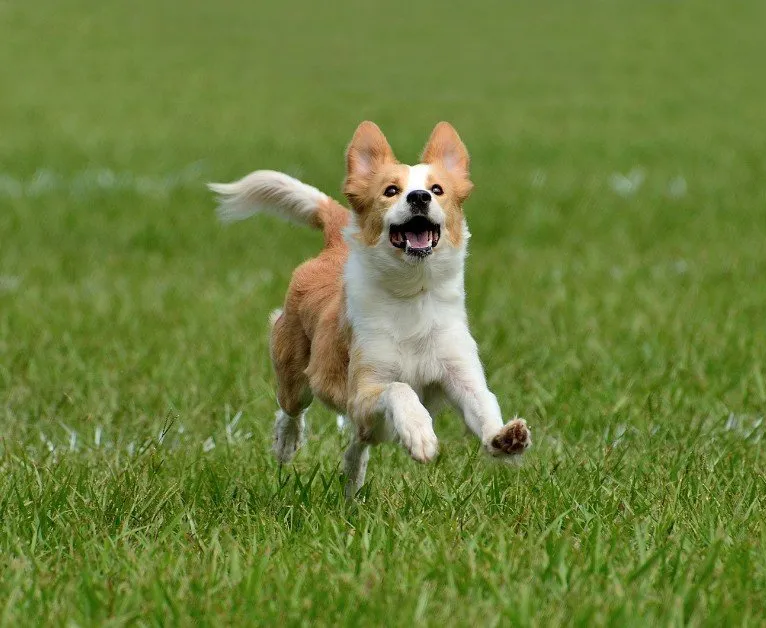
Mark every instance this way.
x=418 y=178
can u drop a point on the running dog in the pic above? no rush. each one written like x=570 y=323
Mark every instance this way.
x=375 y=326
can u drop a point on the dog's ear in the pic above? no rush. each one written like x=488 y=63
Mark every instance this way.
x=367 y=153
x=445 y=148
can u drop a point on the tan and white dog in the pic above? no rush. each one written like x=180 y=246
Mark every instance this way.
x=376 y=326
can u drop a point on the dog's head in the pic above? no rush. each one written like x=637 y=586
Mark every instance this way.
x=408 y=212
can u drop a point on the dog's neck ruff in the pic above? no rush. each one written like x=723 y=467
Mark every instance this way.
x=373 y=269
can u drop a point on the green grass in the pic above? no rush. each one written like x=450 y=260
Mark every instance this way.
x=626 y=325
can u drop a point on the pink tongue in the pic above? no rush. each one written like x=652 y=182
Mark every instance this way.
x=419 y=240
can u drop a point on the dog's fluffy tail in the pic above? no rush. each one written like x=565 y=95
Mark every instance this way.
x=281 y=195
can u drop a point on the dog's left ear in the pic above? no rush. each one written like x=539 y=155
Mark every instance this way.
x=445 y=148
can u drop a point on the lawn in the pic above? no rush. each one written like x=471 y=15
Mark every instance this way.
x=616 y=287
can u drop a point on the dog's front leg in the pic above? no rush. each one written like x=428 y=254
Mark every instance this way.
x=377 y=409
x=466 y=386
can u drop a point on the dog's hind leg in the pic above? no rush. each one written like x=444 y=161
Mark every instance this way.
x=290 y=357
x=355 y=465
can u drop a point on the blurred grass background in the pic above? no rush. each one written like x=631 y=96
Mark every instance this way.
x=615 y=288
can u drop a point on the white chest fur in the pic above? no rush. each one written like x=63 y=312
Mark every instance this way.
x=408 y=321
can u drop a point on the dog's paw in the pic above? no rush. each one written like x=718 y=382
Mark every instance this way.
x=414 y=426
x=288 y=436
x=420 y=441
x=512 y=439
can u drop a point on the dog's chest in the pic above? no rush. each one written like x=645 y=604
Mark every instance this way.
x=409 y=338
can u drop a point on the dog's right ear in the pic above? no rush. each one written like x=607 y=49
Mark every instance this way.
x=367 y=153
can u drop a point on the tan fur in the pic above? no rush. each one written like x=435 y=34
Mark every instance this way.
x=451 y=202
x=372 y=205
x=310 y=339
x=365 y=387
x=370 y=168
x=367 y=154
x=333 y=218
x=448 y=157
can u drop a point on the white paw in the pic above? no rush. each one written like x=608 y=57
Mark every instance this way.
x=288 y=436
x=421 y=442
x=414 y=426
x=511 y=440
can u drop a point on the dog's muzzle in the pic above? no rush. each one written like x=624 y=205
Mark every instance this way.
x=418 y=236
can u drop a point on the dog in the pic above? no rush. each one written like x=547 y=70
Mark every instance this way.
x=375 y=326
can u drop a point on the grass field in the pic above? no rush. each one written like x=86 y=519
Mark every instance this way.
x=616 y=288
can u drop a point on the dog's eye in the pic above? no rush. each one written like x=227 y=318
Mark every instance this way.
x=390 y=191
x=437 y=189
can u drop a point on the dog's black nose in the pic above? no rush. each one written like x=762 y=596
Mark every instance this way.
x=419 y=200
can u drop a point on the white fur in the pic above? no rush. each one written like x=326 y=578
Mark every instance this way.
x=288 y=435
x=274 y=316
x=417 y=178
x=267 y=191
x=410 y=420
x=356 y=459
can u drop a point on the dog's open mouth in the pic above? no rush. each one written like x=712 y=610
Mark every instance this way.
x=418 y=237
